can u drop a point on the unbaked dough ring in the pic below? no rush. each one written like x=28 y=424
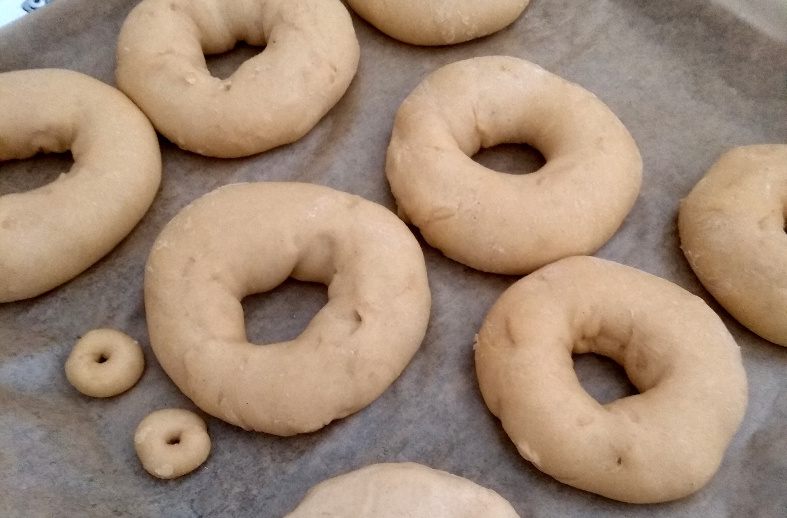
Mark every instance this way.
x=438 y=22
x=105 y=363
x=401 y=490
x=248 y=238
x=272 y=99
x=500 y=223
x=732 y=233
x=661 y=444
x=172 y=442
x=52 y=234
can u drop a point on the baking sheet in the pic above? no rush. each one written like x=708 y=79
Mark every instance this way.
x=687 y=78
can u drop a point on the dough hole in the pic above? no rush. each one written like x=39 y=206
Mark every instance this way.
x=96 y=348
x=159 y=431
x=17 y=176
x=282 y=314
x=511 y=158
x=225 y=64
x=602 y=378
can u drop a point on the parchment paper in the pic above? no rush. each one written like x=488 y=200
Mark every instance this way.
x=687 y=78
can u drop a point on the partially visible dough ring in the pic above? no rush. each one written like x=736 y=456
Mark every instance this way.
x=438 y=22
x=172 y=442
x=52 y=234
x=661 y=444
x=732 y=233
x=105 y=363
x=399 y=490
x=310 y=57
x=248 y=238
x=501 y=223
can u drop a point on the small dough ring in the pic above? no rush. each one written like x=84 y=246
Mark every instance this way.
x=248 y=238
x=105 y=363
x=732 y=233
x=399 y=490
x=438 y=22
x=274 y=98
x=172 y=442
x=661 y=444
x=52 y=234
x=500 y=223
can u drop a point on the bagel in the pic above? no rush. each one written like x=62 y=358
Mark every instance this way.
x=438 y=22
x=732 y=232
x=661 y=444
x=401 y=490
x=52 y=234
x=500 y=223
x=248 y=238
x=310 y=57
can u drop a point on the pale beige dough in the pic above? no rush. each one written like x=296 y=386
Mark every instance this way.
x=248 y=238
x=732 y=233
x=438 y=22
x=501 y=223
x=661 y=444
x=310 y=57
x=172 y=442
x=105 y=363
x=52 y=234
x=405 y=490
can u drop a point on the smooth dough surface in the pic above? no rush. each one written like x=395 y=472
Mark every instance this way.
x=310 y=57
x=502 y=223
x=172 y=442
x=405 y=490
x=52 y=234
x=732 y=232
x=105 y=363
x=661 y=444
x=438 y=22
x=248 y=238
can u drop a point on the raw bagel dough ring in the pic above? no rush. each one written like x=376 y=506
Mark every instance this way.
x=248 y=238
x=397 y=490
x=732 y=232
x=171 y=442
x=272 y=99
x=52 y=234
x=500 y=223
x=438 y=22
x=105 y=363
x=661 y=444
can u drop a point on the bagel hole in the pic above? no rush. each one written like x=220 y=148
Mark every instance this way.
x=283 y=313
x=17 y=176
x=602 y=378
x=223 y=65
x=101 y=358
x=511 y=158
x=173 y=440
